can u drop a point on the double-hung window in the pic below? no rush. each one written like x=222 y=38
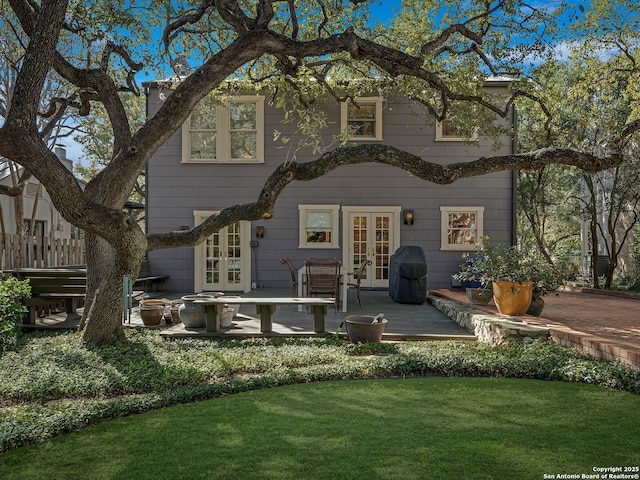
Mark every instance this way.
x=232 y=132
x=461 y=227
x=363 y=119
x=448 y=131
x=318 y=226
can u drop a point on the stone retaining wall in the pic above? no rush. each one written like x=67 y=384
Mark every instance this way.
x=498 y=330
x=487 y=328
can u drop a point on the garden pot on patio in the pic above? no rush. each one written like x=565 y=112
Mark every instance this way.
x=230 y=304
x=536 y=307
x=191 y=314
x=512 y=298
x=362 y=330
x=226 y=317
x=479 y=296
x=175 y=307
x=151 y=312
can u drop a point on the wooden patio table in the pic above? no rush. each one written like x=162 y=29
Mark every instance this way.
x=266 y=307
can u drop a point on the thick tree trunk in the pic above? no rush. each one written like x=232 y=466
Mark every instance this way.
x=106 y=265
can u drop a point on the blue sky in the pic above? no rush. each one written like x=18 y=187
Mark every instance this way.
x=381 y=10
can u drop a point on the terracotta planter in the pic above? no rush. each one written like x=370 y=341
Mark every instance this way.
x=175 y=307
x=226 y=317
x=361 y=330
x=151 y=312
x=512 y=298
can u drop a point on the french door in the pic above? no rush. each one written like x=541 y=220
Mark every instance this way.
x=223 y=261
x=372 y=233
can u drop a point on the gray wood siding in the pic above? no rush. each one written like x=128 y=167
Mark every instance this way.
x=175 y=190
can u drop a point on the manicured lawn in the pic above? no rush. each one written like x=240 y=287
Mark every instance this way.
x=441 y=428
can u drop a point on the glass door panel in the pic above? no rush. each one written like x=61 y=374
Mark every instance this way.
x=372 y=238
x=223 y=259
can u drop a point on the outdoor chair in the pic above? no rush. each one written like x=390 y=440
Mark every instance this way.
x=323 y=278
x=294 y=275
x=357 y=278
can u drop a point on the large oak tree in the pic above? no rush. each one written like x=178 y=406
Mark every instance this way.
x=437 y=52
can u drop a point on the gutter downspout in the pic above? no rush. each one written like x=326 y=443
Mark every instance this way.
x=514 y=176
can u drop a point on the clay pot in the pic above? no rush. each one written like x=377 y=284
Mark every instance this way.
x=536 y=307
x=192 y=315
x=361 y=330
x=226 y=317
x=175 y=315
x=151 y=312
x=512 y=298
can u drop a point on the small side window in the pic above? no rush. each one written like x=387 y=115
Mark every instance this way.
x=461 y=227
x=362 y=119
x=448 y=131
x=318 y=226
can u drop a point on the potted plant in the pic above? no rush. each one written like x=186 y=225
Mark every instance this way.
x=517 y=280
x=471 y=275
x=508 y=273
x=546 y=278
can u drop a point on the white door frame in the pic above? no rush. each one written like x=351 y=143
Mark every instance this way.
x=394 y=213
x=245 y=257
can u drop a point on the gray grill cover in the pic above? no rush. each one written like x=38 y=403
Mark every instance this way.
x=408 y=275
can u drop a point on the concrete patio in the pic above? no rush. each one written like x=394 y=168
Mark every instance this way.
x=605 y=326
x=405 y=321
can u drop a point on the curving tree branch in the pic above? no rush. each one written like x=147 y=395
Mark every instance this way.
x=263 y=207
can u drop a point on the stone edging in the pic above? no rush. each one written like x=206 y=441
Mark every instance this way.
x=500 y=329
x=492 y=329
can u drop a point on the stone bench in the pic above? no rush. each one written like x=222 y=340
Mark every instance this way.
x=266 y=307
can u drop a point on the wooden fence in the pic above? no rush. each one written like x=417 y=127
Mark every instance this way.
x=24 y=251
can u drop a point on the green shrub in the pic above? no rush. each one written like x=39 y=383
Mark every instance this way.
x=12 y=293
x=53 y=383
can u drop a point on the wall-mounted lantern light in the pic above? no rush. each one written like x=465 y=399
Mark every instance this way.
x=408 y=217
x=259 y=231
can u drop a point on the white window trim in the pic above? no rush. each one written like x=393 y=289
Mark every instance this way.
x=344 y=123
x=444 y=227
x=302 y=225
x=223 y=140
x=441 y=138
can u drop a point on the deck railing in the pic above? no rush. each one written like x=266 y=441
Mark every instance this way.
x=26 y=251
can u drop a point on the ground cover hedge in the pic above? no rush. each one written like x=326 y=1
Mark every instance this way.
x=53 y=383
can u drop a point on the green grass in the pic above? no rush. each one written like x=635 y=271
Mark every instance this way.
x=53 y=385
x=467 y=428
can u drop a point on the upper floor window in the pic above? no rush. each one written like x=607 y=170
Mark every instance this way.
x=318 y=226
x=233 y=132
x=448 y=131
x=362 y=119
x=461 y=227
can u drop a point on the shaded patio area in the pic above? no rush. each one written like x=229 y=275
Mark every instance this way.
x=405 y=321
x=605 y=326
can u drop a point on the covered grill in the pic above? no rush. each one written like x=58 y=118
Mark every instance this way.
x=408 y=275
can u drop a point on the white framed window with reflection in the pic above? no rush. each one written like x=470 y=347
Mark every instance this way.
x=448 y=131
x=232 y=132
x=461 y=227
x=318 y=226
x=362 y=119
